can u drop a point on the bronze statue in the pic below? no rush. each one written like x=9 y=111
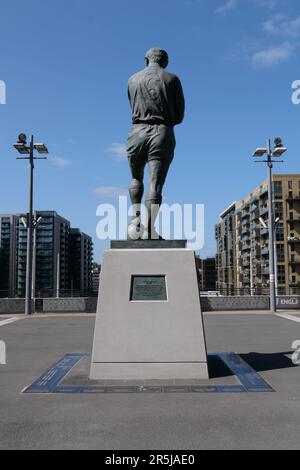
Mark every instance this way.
x=157 y=104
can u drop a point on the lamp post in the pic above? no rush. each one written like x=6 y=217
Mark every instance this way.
x=277 y=151
x=28 y=150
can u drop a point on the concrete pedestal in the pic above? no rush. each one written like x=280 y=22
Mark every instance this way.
x=160 y=337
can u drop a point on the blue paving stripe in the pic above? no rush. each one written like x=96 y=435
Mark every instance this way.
x=247 y=376
x=48 y=381
x=77 y=389
x=250 y=380
x=219 y=389
x=194 y=389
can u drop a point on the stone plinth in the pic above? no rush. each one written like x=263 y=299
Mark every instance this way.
x=149 y=323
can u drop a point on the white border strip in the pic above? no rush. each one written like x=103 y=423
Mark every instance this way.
x=8 y=320
x=286 y=316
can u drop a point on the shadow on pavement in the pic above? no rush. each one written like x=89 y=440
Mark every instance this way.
x=217 y=368
x=268 y=361
x=258 y=361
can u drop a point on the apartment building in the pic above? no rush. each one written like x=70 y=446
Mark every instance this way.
x=54 y=255
x=250 y=247
x=225 y=234
x=96 y=269
x=207 y=273
x=8 y=225
x=81 y=261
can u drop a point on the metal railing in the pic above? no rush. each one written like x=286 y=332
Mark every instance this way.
x=50 y=293
x=247 y=291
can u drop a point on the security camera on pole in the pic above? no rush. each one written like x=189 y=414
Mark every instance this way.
x=277 y=151
x=29 y=220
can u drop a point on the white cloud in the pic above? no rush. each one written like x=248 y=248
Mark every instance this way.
x=279 y=25
x=110 y=191
x=117 y=150
x=71 y=141
x=228 y=6
x=270 y=3
x=273 y=55
x=59 y=161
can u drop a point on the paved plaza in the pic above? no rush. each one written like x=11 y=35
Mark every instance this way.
x=178 y=421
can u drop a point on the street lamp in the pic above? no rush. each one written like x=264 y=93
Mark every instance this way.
x=266 y=226
x=277 y=151
x=28 y=221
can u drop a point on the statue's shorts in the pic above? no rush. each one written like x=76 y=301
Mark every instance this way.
x=148 y=142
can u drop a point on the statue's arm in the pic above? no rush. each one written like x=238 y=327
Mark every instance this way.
x=179 y=102
x=128 y=92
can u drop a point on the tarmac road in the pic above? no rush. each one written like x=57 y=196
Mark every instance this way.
x=150 y=421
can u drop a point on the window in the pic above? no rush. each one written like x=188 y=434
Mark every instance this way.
x=290 y=184
x=280 y=256
x=278 y=209
x=279 y=236
x=278 y=189
x=292 y=226
x=279 y=232
x=280 y=253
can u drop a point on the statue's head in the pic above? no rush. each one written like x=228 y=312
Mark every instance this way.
x=158 y=56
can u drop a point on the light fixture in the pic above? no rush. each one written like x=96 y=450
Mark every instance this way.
x=279 y=148
x=41 y=148
x=21 y=148
x=24 y=220
x=22 y=139
x=278 y=151
x=263 y=223
x=259 y=152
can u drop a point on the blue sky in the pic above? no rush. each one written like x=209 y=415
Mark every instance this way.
x=66 y=65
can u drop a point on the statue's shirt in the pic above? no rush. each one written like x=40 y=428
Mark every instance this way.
x=156 y=97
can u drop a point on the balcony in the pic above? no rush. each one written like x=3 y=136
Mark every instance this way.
x=253 y=199
x=264 y=210
x=293 y=215
x=245 y=247
x=292 y=198
x=263 y=191
x=294 y=262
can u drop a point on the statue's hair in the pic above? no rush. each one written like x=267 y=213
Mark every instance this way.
x=160 y=56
